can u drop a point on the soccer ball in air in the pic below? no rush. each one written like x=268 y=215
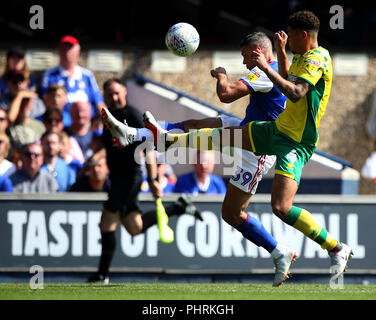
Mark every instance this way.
x=182 y=39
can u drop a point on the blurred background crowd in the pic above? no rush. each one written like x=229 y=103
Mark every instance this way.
x=51 y=132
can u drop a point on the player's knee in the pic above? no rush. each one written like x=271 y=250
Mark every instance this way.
x=225 y=216
x=108 y=221
x=133 y=229
x=230 y=216
x=133 y=224
x=280 y=209
x=107 y=226
x=225 y=213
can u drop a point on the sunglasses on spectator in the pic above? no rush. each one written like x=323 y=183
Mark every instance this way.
x=30 y=154
x=2 y=119
x=2 y=141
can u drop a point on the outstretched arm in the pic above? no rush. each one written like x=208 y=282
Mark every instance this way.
x=228 y=91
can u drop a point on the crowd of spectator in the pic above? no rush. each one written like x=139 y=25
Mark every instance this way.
x=51 y=132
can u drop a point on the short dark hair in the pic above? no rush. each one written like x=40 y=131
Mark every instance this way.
x=108 y=82
x=15 y=76
x=258 y=38
x=54 y=87
x=51 y=111
x=16 y=51
x=305 y=20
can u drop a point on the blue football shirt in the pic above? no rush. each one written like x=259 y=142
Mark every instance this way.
x=187 y=183
x=266 y=101
x=82 y=86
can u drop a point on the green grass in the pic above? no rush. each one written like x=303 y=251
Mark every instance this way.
x=184 y=291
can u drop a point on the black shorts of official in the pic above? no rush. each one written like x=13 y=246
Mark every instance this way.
x=123 y=194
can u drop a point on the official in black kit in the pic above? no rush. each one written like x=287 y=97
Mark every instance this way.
x=126 y=179
x=125 y=172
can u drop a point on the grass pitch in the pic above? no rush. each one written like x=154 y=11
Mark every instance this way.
x=185 y=291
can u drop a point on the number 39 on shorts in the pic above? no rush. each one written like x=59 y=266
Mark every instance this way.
x=240 y=173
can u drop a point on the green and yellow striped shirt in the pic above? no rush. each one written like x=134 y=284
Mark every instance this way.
x=300 y=120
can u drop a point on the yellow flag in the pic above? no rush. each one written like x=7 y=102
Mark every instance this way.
x=166 y=234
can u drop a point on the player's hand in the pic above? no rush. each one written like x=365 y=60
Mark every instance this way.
x=156 y=189
x=280 y=40
x=258 y=58
x=218 y=72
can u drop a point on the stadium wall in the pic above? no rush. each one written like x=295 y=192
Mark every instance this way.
x=60 y=233
x=342 y=129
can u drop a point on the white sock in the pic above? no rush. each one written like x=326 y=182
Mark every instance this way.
x=142 y=134
x=277 y=251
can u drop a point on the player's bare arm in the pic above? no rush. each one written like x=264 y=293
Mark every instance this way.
x=292 y=90
x=228 y=91
x=280 y=40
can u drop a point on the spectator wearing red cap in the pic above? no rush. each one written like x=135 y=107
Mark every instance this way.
x=79 y=82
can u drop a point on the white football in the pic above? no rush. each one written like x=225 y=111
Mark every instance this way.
x=182 y=39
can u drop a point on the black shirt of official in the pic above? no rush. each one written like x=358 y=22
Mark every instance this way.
x=121 y=162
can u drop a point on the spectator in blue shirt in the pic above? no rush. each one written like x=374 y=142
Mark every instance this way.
x=69 y=149
x=56 y=97
x=79 y=82
x=64 y=175
x=5 y=184
x=201 y=180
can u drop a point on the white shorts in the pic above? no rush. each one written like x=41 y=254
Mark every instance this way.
x=228 y=121
x=248 y=168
